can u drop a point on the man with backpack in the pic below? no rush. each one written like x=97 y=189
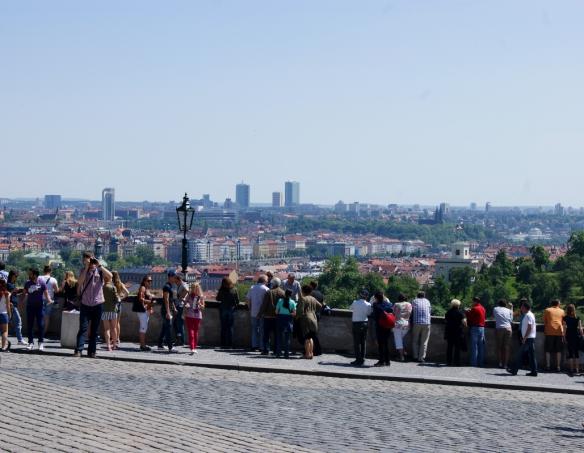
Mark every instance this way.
x=384 y=323
x=361 y=310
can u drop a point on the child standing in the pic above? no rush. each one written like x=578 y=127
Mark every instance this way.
x=193 y=313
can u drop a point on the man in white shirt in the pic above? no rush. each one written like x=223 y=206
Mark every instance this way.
x=361 y=311
x=52 y=287
x=293 y=285
x=528 y=333
x=255 y=299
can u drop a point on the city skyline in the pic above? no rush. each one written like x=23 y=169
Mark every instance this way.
x=380 y=102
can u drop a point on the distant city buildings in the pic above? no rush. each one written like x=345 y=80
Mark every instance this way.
x=242 y=195
x=52 y=202
x=108 y=203
x=277 y=200
x=291 y=194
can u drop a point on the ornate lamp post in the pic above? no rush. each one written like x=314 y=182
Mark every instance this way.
x=185 y=215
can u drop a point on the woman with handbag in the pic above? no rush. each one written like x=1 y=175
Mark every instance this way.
x=143 y=308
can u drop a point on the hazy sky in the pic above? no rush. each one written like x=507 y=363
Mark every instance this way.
x=375 y=101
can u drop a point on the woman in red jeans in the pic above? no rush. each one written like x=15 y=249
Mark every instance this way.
x=193 y=313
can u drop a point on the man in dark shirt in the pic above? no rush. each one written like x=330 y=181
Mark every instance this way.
x=167 y=310
x=476 y=318
x=34 y=291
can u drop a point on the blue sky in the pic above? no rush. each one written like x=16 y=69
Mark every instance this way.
x=375 y=101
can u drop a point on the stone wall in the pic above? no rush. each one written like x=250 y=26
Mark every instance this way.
x=334 y=332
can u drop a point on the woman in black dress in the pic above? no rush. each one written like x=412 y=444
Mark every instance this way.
x=573 y=334
x=454 y=322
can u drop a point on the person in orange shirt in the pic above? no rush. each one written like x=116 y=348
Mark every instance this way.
x=554 y=333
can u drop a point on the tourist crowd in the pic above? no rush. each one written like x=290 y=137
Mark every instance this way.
x=281 y=311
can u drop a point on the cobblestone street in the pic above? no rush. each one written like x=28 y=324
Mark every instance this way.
x=66 y=404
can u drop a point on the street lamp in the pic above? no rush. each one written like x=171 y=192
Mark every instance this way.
x=185 y=215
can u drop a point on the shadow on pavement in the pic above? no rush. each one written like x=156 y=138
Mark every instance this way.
x=344 y=364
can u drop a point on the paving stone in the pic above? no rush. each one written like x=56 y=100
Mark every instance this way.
x=93 y=405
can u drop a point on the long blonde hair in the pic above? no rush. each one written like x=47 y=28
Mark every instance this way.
x=70 y=278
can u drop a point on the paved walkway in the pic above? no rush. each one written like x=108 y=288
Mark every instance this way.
x=66 y=404
x=332 y=365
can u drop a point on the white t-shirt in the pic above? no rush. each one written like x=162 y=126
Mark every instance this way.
x=503 y=317
x=361 y=310
x=255 y=296
x=528 y=320
x=51 y=283
x=4 y=305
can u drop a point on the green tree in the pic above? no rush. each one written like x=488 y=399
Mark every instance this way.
x=545 y=288
x=439 y=293
x=461 y=279
x=402 y=284
x=525 y=272
x=576 y=244
x=540 y=257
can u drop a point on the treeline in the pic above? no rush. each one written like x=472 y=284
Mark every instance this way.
x=430 y=234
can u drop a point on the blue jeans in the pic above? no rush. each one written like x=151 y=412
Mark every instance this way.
x=284 y=329
x=269 y=329
x=88 y=315
x=257 y=332
x=477 y=346
x=529 y=348
x=36 y=313
x=16 y=322
x=227 y=320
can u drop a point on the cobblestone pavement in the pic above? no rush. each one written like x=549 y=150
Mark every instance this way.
x=70 y=404
x=338 y=363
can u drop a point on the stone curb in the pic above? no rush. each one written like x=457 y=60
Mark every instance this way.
x=328 y=374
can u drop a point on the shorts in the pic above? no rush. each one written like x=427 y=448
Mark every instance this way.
x=49 y=308
x=553 y=343
x=4 y=318
x=143 y=318
x=503 y=338
x=109 y=316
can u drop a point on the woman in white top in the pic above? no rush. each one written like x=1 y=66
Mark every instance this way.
x=122 y=294
x=402 y=311
x=5 y=314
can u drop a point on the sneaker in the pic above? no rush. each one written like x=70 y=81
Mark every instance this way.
x=41 y=347
x=160 y=348
x=171 y=349
x=30 y=347
x=22 y=342
x=513 y=372
x=145 y=348
x=532 y=374
x=192 y=352
x=77 y=354
x=379 y=364
x=91 y=355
